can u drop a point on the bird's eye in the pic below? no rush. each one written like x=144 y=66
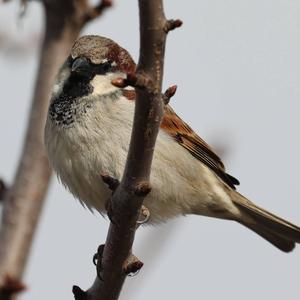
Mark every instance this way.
x=106 y=66
x=81 y=66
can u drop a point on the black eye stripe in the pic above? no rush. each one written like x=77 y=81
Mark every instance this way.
x=107 y=66
x=103 y=67
x=91 y=69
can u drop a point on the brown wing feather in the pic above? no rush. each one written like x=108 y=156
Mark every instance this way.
x=188 y=139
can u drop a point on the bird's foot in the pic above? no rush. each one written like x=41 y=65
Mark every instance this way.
x=144 y=216
x=97 y=261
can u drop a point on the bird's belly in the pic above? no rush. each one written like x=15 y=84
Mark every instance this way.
x=180 y=183
x=79 y=162
x=81 y=179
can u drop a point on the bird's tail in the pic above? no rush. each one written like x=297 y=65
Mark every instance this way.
x=276 y=230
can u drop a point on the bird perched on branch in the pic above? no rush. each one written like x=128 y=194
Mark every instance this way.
x=88 y=132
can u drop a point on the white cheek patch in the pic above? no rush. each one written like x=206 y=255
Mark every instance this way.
x=113 y=64
x=102 y=83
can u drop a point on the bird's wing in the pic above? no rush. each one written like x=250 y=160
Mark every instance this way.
x=187 y=138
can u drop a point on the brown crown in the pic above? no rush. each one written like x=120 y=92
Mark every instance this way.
x=98 y=48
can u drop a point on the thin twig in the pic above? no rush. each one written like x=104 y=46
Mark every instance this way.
x=138 y=81
x=97 y=10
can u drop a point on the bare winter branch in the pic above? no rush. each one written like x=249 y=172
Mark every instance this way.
x=97 y=10
x=117 y=259
x=24 y=200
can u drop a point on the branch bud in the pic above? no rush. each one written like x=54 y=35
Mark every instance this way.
x=169 y=93
x=142 y=189
x=112 y=183
x=172 y=24
x=132 y=265
x=78 y=293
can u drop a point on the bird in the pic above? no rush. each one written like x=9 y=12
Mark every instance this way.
x=87 y=133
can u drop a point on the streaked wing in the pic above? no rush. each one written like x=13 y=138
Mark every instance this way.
x=188 y=139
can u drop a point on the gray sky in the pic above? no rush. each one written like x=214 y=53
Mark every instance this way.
x=237 y=66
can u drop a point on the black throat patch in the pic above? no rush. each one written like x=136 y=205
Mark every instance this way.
x=65 y=106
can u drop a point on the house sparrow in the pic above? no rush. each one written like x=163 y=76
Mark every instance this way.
x=88 y=131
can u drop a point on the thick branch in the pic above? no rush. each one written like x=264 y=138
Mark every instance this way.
x=130 y=193
x=3 y=189
x=24 y=200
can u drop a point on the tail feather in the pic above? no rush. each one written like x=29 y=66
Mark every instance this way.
x=276 y=230
x=278 y=241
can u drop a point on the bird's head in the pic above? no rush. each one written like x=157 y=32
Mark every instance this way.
x=94 y=55
x=86 y=76
x=93 y=63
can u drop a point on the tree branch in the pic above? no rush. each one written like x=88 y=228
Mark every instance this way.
x=3 y=190
x=97 y=10
x=127 y=199
x=24 y=200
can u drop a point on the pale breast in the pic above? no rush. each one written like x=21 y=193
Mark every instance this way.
x=98 y=143
x=79 y=152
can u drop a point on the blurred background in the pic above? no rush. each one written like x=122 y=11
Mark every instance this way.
x=237 y=67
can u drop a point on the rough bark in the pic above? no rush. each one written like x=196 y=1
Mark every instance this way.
x=115 y=258
x=23 y=201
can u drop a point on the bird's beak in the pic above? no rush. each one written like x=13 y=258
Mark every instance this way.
x=81 y=66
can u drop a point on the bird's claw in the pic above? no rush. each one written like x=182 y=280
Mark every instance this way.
x=144 y=216
x=97 y=261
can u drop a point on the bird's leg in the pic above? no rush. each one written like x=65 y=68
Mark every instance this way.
x=144 y=216
x=113 y=184
x=97 y=260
